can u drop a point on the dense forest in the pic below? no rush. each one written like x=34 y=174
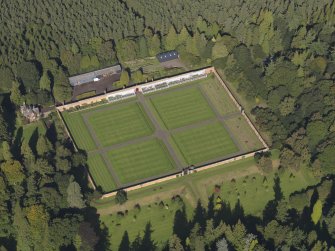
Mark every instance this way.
x=279 y=54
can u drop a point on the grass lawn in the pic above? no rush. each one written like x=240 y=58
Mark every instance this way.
x=30 y=129
x=219 y=97
x=204 y=143
x=79 y=131
x=243 y=133
x=100 y=173
x=182 y=107
x=139 y=161
x=85 y=95
x=254 y=194
x=160 y=219
x=119 y=124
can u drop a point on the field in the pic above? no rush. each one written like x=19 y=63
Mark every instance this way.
x=182 y=107
x=160 y=133
x=251 y=187
x=142 y=160
x=204 y=143
x=99 y=171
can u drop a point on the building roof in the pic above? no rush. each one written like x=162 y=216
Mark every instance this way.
x=89 y=77
x=167 y=56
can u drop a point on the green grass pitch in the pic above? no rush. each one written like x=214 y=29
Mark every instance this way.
x=100 y=173
x=204 y=143
x=191 y=122
x=114 y=126
x=79 y=131
x=142 y=160
x=182 y=107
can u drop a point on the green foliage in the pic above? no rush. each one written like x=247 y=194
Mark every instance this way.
x=62 y=90
x=121 y=197
x=171 y=39
x=317 y=212
x=29 y=75
x=137 y=76
x=4 y=136
x=74 y=196
x=316 y=130
x=219 y=50
x=6 y=151
x=6 y=79
x=13 y=171
x=15 y=94
x=43 y=145
x=124 y=79
x=45 y=82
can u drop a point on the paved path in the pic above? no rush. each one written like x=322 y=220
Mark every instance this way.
x=222 y=119
x=162 y=134
x=159 y=132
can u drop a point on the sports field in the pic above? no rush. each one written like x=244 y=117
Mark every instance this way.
x=160 y=133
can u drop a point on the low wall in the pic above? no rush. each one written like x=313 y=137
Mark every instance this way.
x=130 y=90
x=174 y=176
x=182 y=77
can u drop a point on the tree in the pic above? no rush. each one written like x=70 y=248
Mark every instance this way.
x=4 y=132
x=236 y=235
x=74 y=195
x=266 y=30
x=124 y=79
x=142 y=47
x=121 y=196
x=219 y=50
x=222 y=245
x=327 y=158
x=287 y=106
x=29 y=75
x=13 y=172
x=183 y=36
x=6 y=151
x=316 y=130
x=62 y=90
x=26 y=152
x=85 y=62
x=317 y=212
x=45 y=82
x=15 y=94
x=106 y=52
x=171 y=39
x=154 y=45
x=6 y=79
x=137 y=76
x=43 y=145
x=38 y=218
x=175 y=244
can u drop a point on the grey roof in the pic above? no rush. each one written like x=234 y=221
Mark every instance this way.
x=167 y=56
x=89 y=77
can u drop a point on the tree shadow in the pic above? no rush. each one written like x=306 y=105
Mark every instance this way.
x=147 y=243
x=51 y=133
x=125 y=243
x=199 y=217
x=33 y=141
x=181 y=226
x=92 y=217
x=17 y=143
x=277 y=189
